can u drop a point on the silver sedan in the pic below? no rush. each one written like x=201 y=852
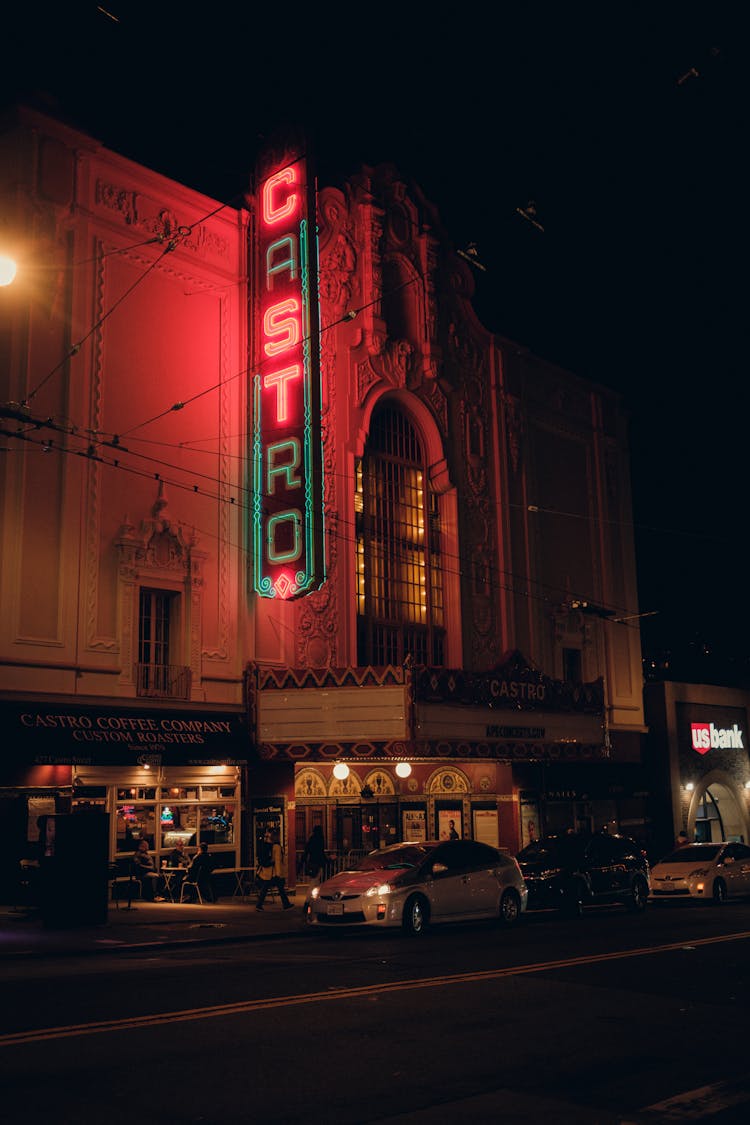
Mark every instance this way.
x=413 y=885
x=712 y=872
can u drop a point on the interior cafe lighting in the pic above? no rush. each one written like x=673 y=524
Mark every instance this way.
x=341 y=771
x=689 y=787
x=403 y=769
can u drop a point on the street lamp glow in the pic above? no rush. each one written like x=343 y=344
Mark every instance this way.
x=7 y=270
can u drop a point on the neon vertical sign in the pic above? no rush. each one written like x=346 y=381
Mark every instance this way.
x=288 y=543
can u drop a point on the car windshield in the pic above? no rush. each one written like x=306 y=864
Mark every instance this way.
x=690 y=853
x=393 y=859
x=552 y=849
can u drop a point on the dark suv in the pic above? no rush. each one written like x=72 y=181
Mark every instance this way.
x=576 y=870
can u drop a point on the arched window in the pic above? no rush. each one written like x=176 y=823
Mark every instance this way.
x=399 y=581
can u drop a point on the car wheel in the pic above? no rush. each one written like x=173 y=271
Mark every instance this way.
x=416 y=916
x=510 y=908
x=638 y=895
x=572 y=904
x=720 y=892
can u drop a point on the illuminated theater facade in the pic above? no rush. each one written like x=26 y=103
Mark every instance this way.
x=462 y=657
x=346 y=559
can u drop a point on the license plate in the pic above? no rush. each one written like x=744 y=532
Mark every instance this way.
x=335 y=908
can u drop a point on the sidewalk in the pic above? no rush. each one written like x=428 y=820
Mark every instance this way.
x=150 y=925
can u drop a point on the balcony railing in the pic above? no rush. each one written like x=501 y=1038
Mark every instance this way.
x=162 y=681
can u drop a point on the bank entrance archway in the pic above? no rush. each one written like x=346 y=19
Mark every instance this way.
x=718 y=815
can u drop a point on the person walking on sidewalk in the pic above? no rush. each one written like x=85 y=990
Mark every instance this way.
x=271 y=870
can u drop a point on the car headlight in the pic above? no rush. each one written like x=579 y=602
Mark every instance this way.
x=315 y=892
x=700 y=872
x=380 y=889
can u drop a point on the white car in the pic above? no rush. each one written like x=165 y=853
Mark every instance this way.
x=413 y=885
x=713 y=872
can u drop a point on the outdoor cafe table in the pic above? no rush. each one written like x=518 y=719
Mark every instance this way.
x=168 y=874
x=239 y=873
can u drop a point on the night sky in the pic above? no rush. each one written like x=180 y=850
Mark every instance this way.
x=624 y=123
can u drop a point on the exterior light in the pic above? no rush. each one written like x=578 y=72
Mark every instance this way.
x=341 y=771
x=7 y=270
x=689 y=787
x=403 y=769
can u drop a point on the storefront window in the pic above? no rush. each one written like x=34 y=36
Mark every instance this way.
x=190 y=814
x=135 y=823
x=179 y=823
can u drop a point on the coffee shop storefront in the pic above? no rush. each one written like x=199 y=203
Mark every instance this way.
x=161 y=775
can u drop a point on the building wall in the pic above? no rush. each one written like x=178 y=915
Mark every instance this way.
x=531 y=463
x=129 y=302
x=122 y=386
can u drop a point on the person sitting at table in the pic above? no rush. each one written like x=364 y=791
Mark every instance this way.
x=178 y=857
x=200 y=872
x=144 y=869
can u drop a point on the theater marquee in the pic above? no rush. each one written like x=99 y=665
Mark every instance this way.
x=287 y=505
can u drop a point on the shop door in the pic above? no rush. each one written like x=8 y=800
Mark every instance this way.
x=349 y=829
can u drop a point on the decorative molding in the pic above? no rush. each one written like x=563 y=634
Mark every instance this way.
x=309 y=783
x=447 y=781
x=286 y=679
x=142 y=213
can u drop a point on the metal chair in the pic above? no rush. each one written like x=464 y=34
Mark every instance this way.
x=193 y=883
x=117 y=879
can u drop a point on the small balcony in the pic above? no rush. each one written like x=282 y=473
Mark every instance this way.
x=162 y=681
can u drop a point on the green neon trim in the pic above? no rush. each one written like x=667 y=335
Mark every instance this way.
x=287 y=468
x=294 y=515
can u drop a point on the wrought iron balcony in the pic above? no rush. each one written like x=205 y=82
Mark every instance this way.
x=162 y=681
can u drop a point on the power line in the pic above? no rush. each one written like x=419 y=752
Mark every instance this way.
x=171 y=243
x=556 y=596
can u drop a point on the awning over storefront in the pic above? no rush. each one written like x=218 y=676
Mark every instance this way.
x=46 y=733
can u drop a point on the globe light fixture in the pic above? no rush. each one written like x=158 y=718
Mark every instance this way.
x=341 y=771
x=689 y=787
x=403 y=769
x=7 y=270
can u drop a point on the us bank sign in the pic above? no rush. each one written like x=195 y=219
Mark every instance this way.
x=287 y=505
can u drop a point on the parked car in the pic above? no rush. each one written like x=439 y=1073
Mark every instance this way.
x=575 y=870
x=414 y=885
x=712 y=872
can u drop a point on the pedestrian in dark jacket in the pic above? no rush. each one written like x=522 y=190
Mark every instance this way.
x=314 y=857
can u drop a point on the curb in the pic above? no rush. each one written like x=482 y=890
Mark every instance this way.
x=139 y=946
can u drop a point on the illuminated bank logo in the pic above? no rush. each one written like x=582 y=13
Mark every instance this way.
x=706 y=736
x=288 y=544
